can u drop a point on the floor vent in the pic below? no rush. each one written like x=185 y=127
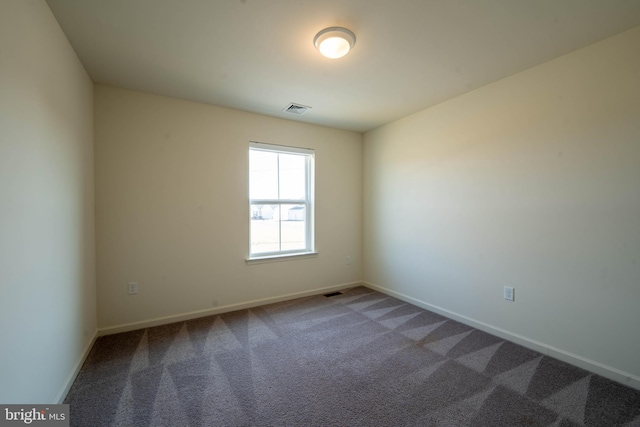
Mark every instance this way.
x=332 y=294
x=296 y=109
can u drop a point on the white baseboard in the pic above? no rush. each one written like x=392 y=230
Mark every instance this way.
x=571 y=358
x=110 y=330
x=76 y=369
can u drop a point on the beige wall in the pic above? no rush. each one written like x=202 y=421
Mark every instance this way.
x=531 y=182
x=172 y=207
x=47 y=273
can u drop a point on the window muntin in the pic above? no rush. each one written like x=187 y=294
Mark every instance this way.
x=281 y=200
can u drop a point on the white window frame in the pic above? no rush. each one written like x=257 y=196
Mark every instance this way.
x=308 y=202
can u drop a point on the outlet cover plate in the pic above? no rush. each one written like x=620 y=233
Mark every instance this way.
x=509 y=293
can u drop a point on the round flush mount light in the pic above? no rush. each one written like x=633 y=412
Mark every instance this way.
x=334 y=42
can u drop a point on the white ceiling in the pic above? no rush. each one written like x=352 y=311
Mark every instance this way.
x=258 y=55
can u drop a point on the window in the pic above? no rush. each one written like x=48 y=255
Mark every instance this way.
x=281 y=200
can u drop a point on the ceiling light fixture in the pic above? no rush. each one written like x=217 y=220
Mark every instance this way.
x=334 y=42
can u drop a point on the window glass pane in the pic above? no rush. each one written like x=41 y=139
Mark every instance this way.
x=292 y=176
x=263 y=174
x=279 y=182
x=265 y=228
x=293 y=226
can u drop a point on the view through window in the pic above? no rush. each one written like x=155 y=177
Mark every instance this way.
x=280 y=192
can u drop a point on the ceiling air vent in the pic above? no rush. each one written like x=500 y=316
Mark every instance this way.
x=296 y=109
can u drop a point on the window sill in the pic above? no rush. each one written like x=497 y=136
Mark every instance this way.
x=277 y=258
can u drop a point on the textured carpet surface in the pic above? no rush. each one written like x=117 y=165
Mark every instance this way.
x=356 y=359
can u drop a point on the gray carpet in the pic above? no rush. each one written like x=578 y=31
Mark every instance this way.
x=356 y=359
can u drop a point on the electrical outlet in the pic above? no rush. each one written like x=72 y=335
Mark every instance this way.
x=509 y=293
x=133 y=288
x=348 y=260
